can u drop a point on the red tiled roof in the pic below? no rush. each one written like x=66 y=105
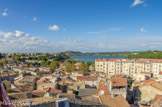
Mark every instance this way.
x=119 y=82
x=157 y=85
x=113 y=59
x=77 y=64
x=146 y=82
x=81 y=77
x=99 y=59
x=118 y=101
x=51 y=90
x=103 y=87
x=157 y=97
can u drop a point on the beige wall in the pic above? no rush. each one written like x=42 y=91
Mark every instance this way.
x=91 y=83
x=45 y=85
x=148 y=93
x=127 y=67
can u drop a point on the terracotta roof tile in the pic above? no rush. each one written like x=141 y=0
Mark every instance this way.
x=119 y=82
x=81 y=77
x=157 y=85
x=99 y=59
x=113 y=59
x=51 y=90
x=157 y=97
x=103 y=86
x=118 y=101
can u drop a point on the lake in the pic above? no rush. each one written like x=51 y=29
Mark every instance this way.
x=92 y=58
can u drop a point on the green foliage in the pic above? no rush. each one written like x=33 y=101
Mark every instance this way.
x=16 y=58
x=1 y=64
x=69 y=67
x=47 y=63
x=93 y=65
x=60 y=57
x=43 y=63
x=23 y=72
x=54 y=65
x=75 y=53
x=148 y=54
x=89 y=63
x=84 y=67
x=17 y=73
x=130 y=82
x=5 y=62
x=72 y=61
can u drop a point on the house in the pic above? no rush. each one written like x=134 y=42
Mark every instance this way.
x=91 y=81
x=43 y=91
x=147 y=90
x=44 y=69
x=45 y=83
x=77 y=73
x=87 y=92
x=62 y=65
x=103 y=88
x=142 y=76
x=118 y=86
x=76 y=86
x=118 y=101
x=77 y=65
x=9 y=77
x=157 y=101
x=31 y=80
x=81 y=78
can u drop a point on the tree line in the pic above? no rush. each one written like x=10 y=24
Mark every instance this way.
x=148 y=55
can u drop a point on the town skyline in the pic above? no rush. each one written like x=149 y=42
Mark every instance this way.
x=85 y=26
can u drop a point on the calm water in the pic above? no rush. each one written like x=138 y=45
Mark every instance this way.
x=92 y=58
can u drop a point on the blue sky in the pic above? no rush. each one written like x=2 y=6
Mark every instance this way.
x=80 y=25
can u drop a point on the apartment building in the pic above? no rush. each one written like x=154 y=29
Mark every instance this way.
x=128 y=67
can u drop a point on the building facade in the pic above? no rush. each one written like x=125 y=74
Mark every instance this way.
x=128 y=67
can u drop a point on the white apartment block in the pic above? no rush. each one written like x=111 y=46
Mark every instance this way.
x=128 y=67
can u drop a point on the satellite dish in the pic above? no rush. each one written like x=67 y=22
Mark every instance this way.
x=101 y=92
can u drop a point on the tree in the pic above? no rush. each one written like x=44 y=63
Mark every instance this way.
x=1 y=64
x=93 y=65
x=43 y=63
x=16 y=58
x=130 y=82
x=54 y=65
x=68 y=67
x=60 y=57
x=5 y=62
x=84 y=67
x=72 y=61
x=47 y=63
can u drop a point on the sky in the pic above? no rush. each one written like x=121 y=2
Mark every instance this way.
x=50 y=26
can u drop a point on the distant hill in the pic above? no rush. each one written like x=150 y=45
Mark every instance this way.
x=76 y=53
x=147 y=54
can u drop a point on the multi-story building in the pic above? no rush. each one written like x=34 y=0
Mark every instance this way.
x=128 y=67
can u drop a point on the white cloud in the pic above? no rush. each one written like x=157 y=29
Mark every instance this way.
x=54 y=27
x=5 y=12
x=136 y=2
x=143 y=30
x=19 y=41
x=17 y=34
x=34 y=19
